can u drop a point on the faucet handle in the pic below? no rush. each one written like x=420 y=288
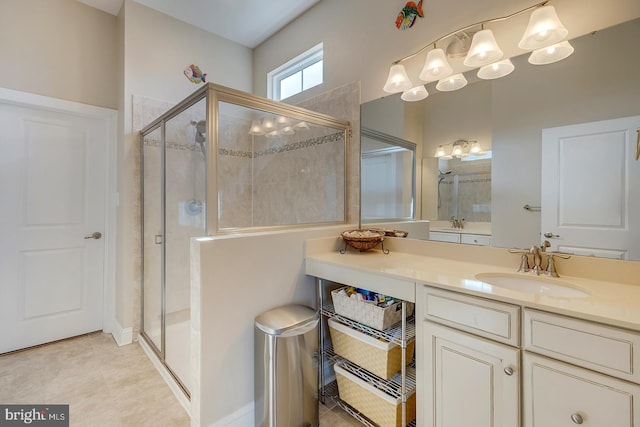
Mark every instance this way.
x=551 y=264
x=524 y=259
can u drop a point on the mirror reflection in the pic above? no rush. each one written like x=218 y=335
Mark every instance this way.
x=510 y=117
x=388 y=177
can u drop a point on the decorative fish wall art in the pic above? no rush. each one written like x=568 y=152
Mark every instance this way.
x=194 y=74
x=407 y=16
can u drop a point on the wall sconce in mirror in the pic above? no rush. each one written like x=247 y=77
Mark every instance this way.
x=460 y=148
x=543 y=36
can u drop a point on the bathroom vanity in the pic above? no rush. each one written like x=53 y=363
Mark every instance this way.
x=498 y=348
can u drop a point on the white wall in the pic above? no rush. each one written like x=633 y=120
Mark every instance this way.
x=59 y=48
x=156 y=50
x=235 y=278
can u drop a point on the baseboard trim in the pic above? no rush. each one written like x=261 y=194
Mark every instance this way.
x=123 y=336
x=166 y=376
x=243 y=417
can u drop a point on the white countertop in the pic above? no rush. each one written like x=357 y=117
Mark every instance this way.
x=397 y=273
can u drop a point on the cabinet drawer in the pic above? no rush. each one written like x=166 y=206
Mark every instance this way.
x=595 y=346
x=444 y=237
x=558 y=394
x=494 y=320
x=475 y=239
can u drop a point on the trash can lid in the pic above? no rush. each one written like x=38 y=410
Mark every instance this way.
x=285 y=318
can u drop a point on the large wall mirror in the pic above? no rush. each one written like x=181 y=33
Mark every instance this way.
x=509 y=117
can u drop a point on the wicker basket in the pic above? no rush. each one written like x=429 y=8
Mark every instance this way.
x=368 y=314
x=381 y=358
x=379 y=407
x=363 y=239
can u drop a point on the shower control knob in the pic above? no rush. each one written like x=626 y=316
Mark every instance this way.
x=95 y=235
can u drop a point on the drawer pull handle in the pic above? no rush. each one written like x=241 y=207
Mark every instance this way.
x=577 y=418
x=508 y=370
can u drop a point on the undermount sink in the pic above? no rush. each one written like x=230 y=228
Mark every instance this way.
x=532 y=285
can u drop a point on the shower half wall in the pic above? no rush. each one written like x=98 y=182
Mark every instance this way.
x=225 y=162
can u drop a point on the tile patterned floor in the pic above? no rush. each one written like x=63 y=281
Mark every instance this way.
x=105 y=385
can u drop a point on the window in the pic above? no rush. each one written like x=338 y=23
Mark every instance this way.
x=297 y=75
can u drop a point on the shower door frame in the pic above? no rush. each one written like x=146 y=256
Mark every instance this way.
x=160 y=123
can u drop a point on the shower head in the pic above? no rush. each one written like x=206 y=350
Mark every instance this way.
x=201 y=134
x=201 y=130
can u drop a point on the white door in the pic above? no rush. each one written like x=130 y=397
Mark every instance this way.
x=591 y=188
x=52 y=196
x=470 y=381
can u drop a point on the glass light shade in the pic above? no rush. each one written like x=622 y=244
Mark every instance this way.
x=551 y=54
x=301 y=126
x=484 y=50
x=440 y=152
x=496 y=70
x=455 y=82
x=544 y=29
x=397 y=81
x=268 y=124
x=436 y=66
x=417 y=93
x=475 y=148
x=457 y=150
x=288 y=130
x=282 y=120
x=255 y=128
x=273 y=134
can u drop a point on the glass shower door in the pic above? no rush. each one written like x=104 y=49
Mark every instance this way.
x=152 y=280
x=185 y=186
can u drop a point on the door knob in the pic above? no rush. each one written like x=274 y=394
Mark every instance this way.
x=577 y=418
x=550 y=235
x=508 y=370
x=95 y=235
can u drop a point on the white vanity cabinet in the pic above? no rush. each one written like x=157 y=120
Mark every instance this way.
x=457 y=237
x=583 y=372
x=484 y=367
x=468 y=379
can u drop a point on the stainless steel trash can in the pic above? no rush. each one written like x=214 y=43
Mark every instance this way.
x=286 y=368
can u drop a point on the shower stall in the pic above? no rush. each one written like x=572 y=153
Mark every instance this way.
x=222 y=162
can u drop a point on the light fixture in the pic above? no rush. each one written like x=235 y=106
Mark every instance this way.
x=496 y=70
x=544 y=29
x=287 y=130
x=398 y=80
x=460 y=148
x=440 y=151
x=268 y=124
x=455 y=82
x=551 y=54
x=417 y=93
x=255 y=128
x=301 y=126
x=484 y=50
x=436 y=66
x=475 y=148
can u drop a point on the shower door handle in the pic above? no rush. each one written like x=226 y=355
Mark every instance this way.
x=158 y=239
x=95 y=235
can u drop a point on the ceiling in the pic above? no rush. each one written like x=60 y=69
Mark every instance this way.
x=247 y=22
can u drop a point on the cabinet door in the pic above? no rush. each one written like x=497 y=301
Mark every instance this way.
x=470 y=381
x=560 y=395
